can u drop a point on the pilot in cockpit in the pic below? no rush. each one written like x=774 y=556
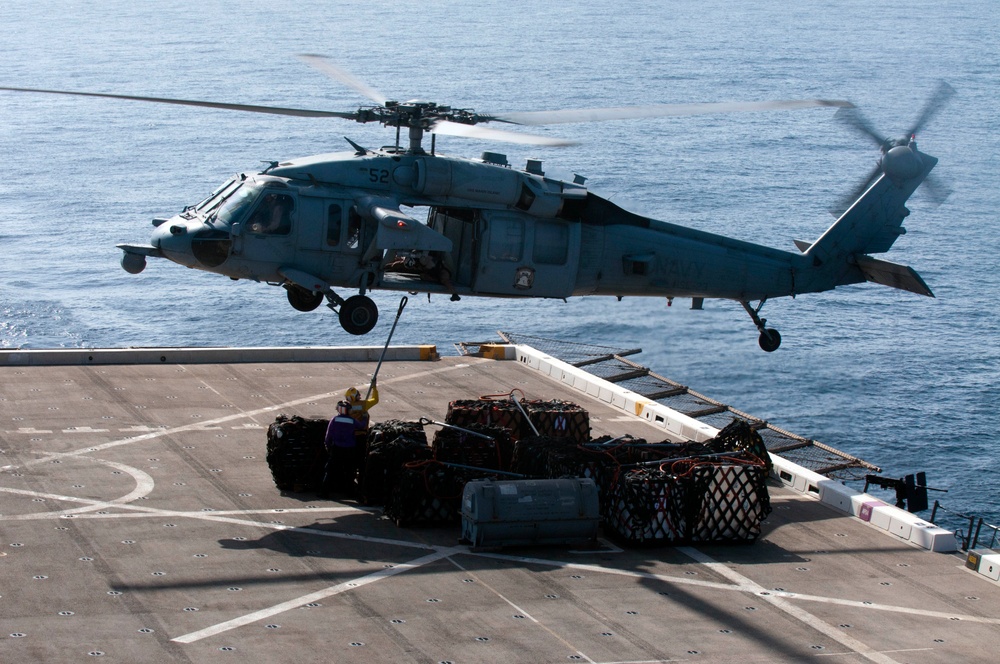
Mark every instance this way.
x=273 y=215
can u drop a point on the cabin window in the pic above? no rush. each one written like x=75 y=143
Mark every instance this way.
x=551 y=243
x=506 y=239
x=334 y=221
x=273 y=215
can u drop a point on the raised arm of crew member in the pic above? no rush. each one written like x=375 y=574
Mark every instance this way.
x=359 y=405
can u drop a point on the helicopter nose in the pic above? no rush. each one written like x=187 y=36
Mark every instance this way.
x=173 y=238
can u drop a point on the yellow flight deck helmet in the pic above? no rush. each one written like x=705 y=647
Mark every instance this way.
x=353 y=394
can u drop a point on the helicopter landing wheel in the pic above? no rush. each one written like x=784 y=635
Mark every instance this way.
x=302 y=299
x=358 y=314
x=769 y=340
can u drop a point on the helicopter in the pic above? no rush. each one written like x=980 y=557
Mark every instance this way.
x=340 y=220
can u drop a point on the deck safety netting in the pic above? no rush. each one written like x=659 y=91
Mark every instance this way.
x=611 y=364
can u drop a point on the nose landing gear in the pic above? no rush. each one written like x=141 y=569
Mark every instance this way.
x=769 y=339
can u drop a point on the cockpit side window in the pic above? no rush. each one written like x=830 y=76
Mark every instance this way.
x=273 y=215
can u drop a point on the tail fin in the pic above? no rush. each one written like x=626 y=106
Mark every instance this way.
x=872 y=224
x=874 y=221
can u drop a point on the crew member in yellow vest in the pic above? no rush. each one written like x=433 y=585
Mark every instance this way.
x=359 y=406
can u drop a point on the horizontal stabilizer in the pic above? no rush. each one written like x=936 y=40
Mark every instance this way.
x=893 y=275
x=141 y=249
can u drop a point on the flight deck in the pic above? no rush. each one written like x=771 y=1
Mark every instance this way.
x=139 y=522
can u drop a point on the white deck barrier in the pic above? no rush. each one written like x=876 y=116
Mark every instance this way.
x=989 y=566
x=893 y=520
x=222 y=355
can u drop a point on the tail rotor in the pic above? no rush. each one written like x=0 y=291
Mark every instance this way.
x=854 y=120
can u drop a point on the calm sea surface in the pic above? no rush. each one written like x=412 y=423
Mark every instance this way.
x=909 y=383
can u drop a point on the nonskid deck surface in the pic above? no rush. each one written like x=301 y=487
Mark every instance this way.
x=139 y=522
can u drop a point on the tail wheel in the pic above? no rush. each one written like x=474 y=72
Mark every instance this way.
x=358 y=314
x=769 y=340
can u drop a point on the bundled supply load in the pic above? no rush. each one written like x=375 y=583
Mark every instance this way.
x=295 y=452
x=430 y=492
x=698 y=500
x=522 y=418
x=502 y=413
x=713 y=491
x=477 y=445
x=558 y=419
x=665 y=493
x=390 y=446
x=649 y=493
x=545 y=456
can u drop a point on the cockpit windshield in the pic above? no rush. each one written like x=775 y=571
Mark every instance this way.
x=217 y=196
x=236 y=204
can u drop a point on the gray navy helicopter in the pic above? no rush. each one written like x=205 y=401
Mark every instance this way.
x=337 y=220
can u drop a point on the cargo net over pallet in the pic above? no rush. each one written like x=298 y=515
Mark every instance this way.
x=523 y=417
x=650 y=493
x=689 y=501
x=612 y=365
x=476 y=441
x=295 y=452
x=664 y=493
x=416 y=483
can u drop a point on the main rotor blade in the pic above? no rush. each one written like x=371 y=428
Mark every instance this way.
x=934 y=190
x=273 y=110
x=343 y=76
x=470 y=131
x=853 y=119
x=937 y=101
x=848 y=199
x=657 y=111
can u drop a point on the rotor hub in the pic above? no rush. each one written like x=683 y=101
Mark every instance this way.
x=902 y=162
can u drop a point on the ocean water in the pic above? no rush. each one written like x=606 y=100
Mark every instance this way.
x=906 y=382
